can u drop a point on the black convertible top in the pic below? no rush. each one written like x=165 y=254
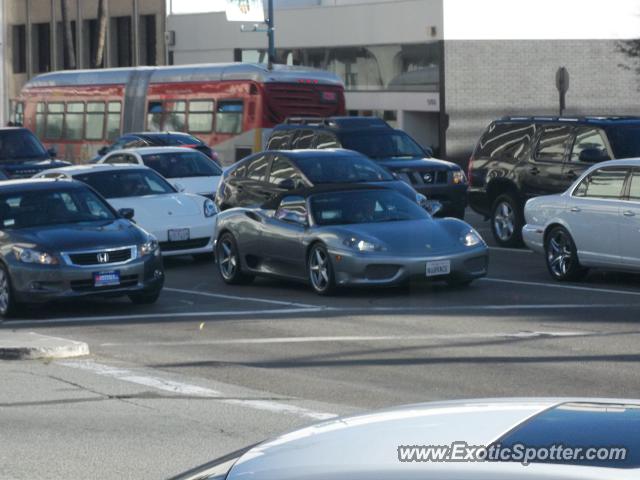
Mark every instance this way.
x=306 y=192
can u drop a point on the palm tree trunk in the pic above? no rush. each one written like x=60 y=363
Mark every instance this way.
x=69 y=48
x=102 y=34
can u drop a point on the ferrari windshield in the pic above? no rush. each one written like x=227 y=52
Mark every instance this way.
x=182 y=164
x=126 y=183
x=363 y=206
x=341 y=169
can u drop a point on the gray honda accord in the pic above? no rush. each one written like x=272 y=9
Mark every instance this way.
x=337 y=235
x=59 y=239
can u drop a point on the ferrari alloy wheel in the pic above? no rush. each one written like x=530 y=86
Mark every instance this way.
x=229 y=261
x=320 y=270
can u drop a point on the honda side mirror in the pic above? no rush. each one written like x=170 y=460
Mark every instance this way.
x=126 y=213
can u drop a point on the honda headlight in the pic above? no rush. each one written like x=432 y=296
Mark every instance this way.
x=471 y=239
x=29 y=255
x=149 y=247
x=210 y=208
x=459 y=178
x=362 y=245
x=422 y=200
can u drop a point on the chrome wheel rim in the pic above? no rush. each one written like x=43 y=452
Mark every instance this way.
x=504 y=221
x=319 y=269
x=559 y=254
x=4 y=292
x=228 y=259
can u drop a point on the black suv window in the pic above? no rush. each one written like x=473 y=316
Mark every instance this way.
x=280 y=140
x=257 y=169
x=303 y=140
x=624 y=140
x=589 y=144
x=326 y=140
x=553 y=144
x=505 y=141
x=282 y=169
x=603 y=183
x=20 y=144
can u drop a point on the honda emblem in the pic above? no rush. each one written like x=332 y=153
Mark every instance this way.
x=103 y=257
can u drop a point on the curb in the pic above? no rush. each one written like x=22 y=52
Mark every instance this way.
x=15 y=345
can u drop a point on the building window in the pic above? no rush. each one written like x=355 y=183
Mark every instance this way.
x=19 y=37
x=148 y=41
x=122 y=41
x=40 y=44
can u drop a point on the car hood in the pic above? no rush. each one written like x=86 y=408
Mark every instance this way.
x=197 y=185
x=411 y=237
x=153 y=209
x=81 y=236
x=25 y=168
x=425 y=163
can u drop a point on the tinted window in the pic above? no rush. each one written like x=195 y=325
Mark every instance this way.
x=182 y=164
x=282 y=169
x=603 y=183
x=363 y=206
x=172 y=139
x=624 y=140
x=383 y=144
x=120 y=158
x=634 y=190
x=39 y=208
x=341 y=169
x=229 y=117
x=257 y=169
x=279 y=140
x=506 y=141
x=126 y=183
x=590 y=141
x=553 y=144
x=20 y=145
x=326 y=140
x=303 y=140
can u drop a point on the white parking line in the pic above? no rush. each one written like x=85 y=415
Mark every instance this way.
x=237 y=297
x=562 y=285
x=360 y=338
x=149 y=378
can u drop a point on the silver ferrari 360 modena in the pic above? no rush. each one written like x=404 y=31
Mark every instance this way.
x=354 y=235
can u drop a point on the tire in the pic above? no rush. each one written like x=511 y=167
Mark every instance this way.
x=320 y=270
x=9 y=306
x=561 y=256
x=507 y=220
x=229 y=265
x=144 y=298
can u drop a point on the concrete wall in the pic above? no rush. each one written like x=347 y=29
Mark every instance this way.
x=487 y=79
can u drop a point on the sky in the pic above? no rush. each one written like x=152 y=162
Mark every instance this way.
x=194 y=6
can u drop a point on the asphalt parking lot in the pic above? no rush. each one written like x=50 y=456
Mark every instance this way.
x=211 y=368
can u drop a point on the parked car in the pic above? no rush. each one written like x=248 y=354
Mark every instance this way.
x=260 y=177
x=393 y=149
x=183 y=223
x=157 y=139
x=518 y=158
x=62 y=240
x=386 y=444
x=187 y=170
x=595 y=223
x=22 y=155
x=346 y=235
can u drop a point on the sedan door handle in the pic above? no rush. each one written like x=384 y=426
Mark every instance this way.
x=534 y=171
x=576 y=209
x=629 y=213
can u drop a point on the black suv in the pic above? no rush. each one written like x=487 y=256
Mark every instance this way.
x=518 y=158
x=256 y=179
x=390 y=148
x=22 y=155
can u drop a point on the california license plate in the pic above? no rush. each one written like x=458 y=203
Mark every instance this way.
x=106 y=279
x=437 y=268
x=179 y=234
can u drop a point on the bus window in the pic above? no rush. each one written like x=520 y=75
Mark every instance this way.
x=94 y=123
x=113 y=120
x=55 y=119
x=200 y=116
x=229 y=117
x=73 y=121
x=18 y=115
x=40 y=119
x=154 y=117
x=176 y=118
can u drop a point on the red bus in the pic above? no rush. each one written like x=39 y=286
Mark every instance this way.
x=231 y=107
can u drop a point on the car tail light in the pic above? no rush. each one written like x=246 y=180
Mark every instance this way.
x=470 y=170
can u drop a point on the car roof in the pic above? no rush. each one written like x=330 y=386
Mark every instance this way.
x=95 y=167
x=580 y=120
x=153 y=150
x=366 y=446
x=37 y=184
x=334 y=123
x=318 y=153
x=307 y=192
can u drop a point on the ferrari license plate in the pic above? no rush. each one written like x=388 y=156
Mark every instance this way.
x=440 y=267
x=106 y=279
x=179 y=235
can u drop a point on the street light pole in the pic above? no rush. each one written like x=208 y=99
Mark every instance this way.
x=271 y=35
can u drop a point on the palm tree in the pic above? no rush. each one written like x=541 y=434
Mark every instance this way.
x=102 y=34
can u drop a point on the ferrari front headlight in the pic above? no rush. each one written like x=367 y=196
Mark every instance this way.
x=471 y=238
x=362 y=245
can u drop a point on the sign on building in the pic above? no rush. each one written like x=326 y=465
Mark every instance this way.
x=245 y=11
